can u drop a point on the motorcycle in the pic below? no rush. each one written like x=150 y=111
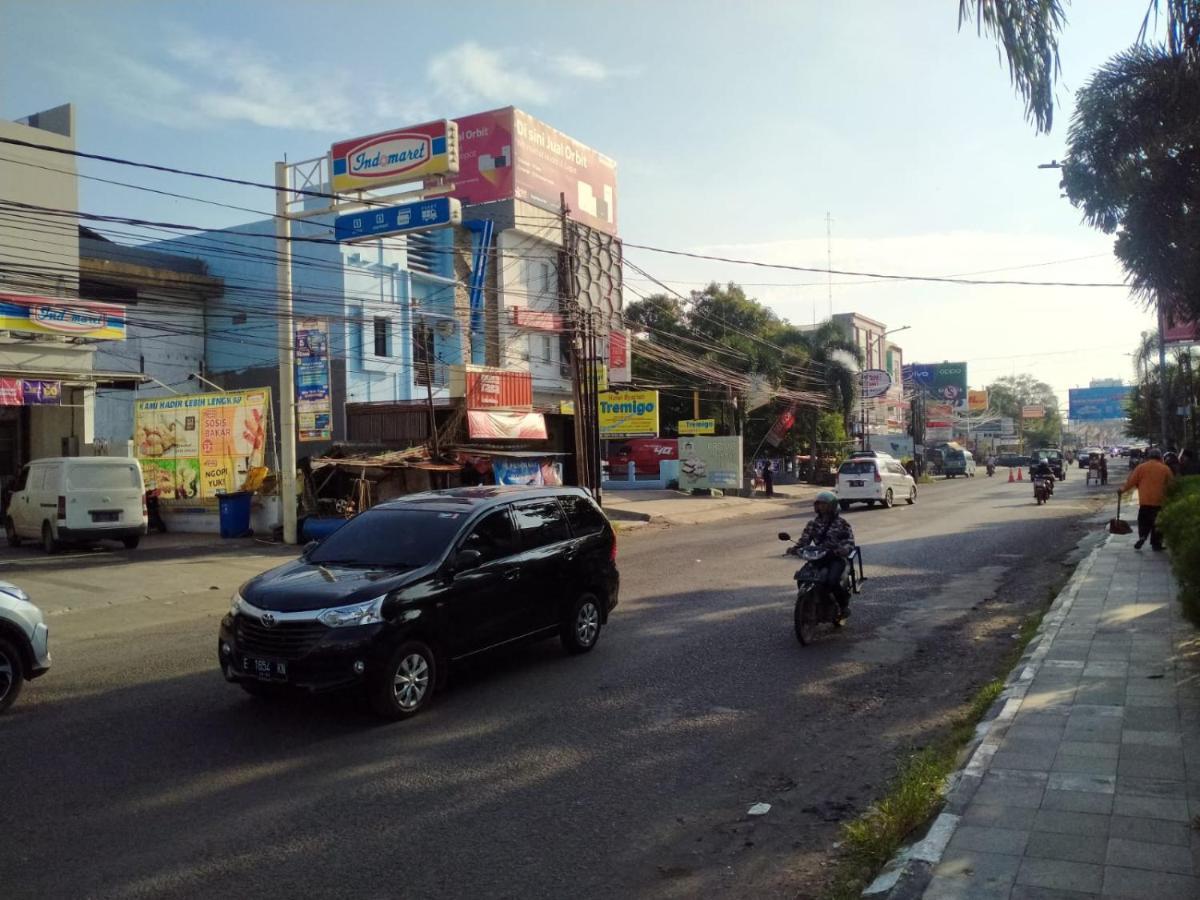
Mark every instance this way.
x=815 y=603
x=1043 y=489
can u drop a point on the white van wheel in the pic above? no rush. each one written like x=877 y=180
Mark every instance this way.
x=49 y=543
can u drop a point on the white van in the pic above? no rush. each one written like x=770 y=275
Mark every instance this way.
x=77 y=499
x=872 y=480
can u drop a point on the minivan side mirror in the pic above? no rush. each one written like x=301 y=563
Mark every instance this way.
x=309 y=548
x=784 y=536
x=466 y=559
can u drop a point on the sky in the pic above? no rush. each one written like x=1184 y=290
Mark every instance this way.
x=737 y=128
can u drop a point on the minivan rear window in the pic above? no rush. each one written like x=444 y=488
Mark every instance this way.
x=858 y=467
x=103 y=477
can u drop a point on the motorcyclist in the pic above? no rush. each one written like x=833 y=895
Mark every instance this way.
x=1042 y=471
x=829 y=531
x=991 y=463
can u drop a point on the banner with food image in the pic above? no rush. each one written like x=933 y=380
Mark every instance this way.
x=197 y=446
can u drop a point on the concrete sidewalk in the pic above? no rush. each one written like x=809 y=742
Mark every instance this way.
x=678 y=508
x=1087 y=782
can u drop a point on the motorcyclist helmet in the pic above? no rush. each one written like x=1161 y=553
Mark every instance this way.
x=825 y=503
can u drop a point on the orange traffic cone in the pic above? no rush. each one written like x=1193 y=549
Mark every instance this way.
x=1010 y=476
x=1020 y=476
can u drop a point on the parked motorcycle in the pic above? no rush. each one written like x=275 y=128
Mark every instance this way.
x=815 y=603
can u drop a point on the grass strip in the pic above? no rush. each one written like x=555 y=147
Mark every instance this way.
x=915 y=795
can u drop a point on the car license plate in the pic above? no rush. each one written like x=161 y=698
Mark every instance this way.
x=265 y=669
x=106 y=516
x=856 y=484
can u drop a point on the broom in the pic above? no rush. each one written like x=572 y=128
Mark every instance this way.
x=1118 y=525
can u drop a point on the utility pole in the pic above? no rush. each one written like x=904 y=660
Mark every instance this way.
x=287 y=353
x=1162 y=375
x=566 y=282
x=829 y=259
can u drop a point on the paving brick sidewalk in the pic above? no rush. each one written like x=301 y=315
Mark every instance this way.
x=1088 y=782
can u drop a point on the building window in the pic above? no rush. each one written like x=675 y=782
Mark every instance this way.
x=422 y=352
x=547 y=350
x=382 y=333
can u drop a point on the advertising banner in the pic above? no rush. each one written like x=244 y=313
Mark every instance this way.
x=937 y=433
x=526 y=472
x=314 y=407
x=508 y=154
x=977 y=401
x=782 y=426
x=1033 y=411
x=898 y=445
x=619 y=362
x=710 y=462
x=946 y=381
x=395 y=157
x=697 y=426
x=20 y=392
x=1098 y=403
x=526 y=426
x=874 y=383
x=194 y=446
x=628 y=414
x=75 y=318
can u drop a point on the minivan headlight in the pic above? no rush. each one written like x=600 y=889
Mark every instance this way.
x=235 y=603
x=368 y=613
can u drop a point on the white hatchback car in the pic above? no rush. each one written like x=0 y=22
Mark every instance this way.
x=24 y=643
x=874 y=480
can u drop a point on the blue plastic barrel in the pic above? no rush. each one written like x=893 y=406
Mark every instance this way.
x=317 y=529
x=234 y=513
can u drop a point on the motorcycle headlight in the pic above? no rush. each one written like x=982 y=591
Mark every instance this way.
x=368 y=613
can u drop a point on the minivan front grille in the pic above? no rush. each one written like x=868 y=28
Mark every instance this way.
x=284 y=640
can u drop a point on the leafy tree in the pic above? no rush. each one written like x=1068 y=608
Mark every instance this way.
x=1145 y=401
x=1008 y=394
x=1133 y=168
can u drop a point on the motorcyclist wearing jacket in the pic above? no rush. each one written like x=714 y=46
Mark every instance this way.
x=1043 y=471
x=829 y=531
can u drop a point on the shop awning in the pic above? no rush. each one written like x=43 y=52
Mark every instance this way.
x=124 y=380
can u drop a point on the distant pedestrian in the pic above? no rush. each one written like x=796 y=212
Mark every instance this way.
x=1151 y=479
x=768 y=477
x=1104 y=470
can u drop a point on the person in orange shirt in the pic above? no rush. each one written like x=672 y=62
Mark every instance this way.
x=1151 y=479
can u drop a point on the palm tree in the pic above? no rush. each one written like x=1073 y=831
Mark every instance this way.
x=1027 y=31
x=833 y=363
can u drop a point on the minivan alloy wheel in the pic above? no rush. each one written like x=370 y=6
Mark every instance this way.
x=411 y=681
x=587 y=623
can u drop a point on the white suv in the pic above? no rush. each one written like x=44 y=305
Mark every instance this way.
x=24 y=643
x=874 y=480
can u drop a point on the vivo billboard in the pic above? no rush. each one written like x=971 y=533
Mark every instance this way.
x=946 y=381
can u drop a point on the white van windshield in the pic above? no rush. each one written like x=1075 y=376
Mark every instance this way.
x=102 y=478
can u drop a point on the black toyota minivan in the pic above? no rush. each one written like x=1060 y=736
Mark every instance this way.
x=403 y=590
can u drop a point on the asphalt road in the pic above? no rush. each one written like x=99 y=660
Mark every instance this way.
x=133 y=770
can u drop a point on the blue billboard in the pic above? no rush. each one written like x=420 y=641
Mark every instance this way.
x=1098 y=403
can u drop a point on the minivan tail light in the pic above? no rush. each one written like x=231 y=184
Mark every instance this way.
x=612 y=554
x=878 y=477
x=62 y=508
x=145 y=509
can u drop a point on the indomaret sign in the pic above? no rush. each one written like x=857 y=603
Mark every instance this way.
x=395 y=157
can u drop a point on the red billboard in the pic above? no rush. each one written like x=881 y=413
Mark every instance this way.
x=508 y=154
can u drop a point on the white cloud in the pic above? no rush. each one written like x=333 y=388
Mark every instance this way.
x=578 y=66
x=469 y=73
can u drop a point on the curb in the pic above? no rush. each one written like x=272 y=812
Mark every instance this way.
x=909 y=872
